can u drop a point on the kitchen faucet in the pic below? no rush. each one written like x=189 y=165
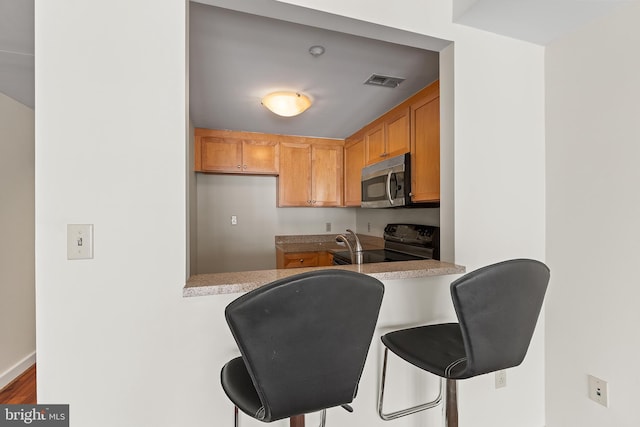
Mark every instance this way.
x=356 y=255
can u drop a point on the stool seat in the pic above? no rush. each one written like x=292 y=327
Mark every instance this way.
x=438 y=349
x=497 y=308
x=237 y=383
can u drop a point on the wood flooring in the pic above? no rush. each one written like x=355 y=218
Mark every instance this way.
x=22 y=390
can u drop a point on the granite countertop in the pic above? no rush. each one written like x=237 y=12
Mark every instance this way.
x=322 y=242
x=244 y=281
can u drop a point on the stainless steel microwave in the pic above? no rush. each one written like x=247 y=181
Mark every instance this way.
x=387 y=184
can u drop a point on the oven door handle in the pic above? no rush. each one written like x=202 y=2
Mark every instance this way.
x=389 y=187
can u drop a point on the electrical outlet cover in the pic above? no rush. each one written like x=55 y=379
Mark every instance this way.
x=598 y=391
x=501 y=379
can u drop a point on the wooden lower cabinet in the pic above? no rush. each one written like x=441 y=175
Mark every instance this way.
x=303 y=259
x=325 y=259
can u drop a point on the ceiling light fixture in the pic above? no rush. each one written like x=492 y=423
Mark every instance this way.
x=286 y=104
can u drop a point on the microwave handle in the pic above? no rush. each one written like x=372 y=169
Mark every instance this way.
x=389 y=187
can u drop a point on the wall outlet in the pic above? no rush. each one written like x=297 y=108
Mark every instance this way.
x=598 y=391
x=501 y=379
x=327 y=226
x=234 y=220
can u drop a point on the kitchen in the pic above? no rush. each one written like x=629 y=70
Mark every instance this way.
x=252 y=199
x=76 y=301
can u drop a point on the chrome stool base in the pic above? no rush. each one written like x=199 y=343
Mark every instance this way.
x=414 y=409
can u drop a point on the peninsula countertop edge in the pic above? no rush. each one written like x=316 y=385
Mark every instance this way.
x=245 y=281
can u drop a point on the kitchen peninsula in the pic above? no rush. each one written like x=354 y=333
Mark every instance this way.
x=244 y=281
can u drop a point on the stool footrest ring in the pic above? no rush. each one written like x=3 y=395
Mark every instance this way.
x=408 y=411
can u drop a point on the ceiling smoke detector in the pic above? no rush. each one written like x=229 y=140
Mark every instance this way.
x=316 y=50
x=385 y=81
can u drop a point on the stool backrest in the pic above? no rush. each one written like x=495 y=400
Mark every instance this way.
x=498 y=308
x=304 y=339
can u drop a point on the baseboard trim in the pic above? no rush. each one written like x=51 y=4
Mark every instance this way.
x=16 y=370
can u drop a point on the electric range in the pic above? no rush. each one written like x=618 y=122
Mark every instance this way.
x=402 y=242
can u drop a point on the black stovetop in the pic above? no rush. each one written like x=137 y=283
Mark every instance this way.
x=403 y=242
x=376 y=255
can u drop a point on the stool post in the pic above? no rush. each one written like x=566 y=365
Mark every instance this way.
x=296 y=421
x=451 y=404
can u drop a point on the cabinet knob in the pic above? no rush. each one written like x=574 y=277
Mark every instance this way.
x=313 y=202
x=308 y=202
x=238 y=166
x=301 y=260
x=244 y=166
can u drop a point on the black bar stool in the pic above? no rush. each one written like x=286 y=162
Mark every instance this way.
x=497 y=308
x=304 y=341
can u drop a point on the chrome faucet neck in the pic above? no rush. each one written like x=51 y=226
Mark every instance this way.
x=356 y=255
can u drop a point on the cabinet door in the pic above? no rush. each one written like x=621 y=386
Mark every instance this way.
x=325 y=259
x=397 y=134
x=374 y=144
x=260 y=157
x=294 y=181
x=326 y=178
x=425 y=150
x=353 y=163
x=221 y=155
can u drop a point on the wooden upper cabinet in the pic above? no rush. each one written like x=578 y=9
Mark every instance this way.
x=413 y=126
x=353 y=164
x=294 y=182
x=374 y=144
x=235 y=152
x=326 y=176
x=425 y=149
x=310 y=175
x=260 y=156
x=221 y=154
x=388 y=136
x=397 y=133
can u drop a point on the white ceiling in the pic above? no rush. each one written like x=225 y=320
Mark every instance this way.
x=16 y=50
x=536 y=21
x=235 y=58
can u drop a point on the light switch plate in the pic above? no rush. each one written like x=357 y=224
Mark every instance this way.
x=79 y=241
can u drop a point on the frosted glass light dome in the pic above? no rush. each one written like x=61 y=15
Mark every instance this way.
x=286 y=104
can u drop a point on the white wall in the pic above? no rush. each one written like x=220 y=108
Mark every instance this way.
x=17 y=249
x=249 y=245
x=593 y=206
x=110 y=150
x=373 y=221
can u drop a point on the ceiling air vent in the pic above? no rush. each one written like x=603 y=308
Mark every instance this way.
x=385 y=81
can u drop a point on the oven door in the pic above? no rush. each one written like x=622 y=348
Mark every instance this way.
x=386 y=184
